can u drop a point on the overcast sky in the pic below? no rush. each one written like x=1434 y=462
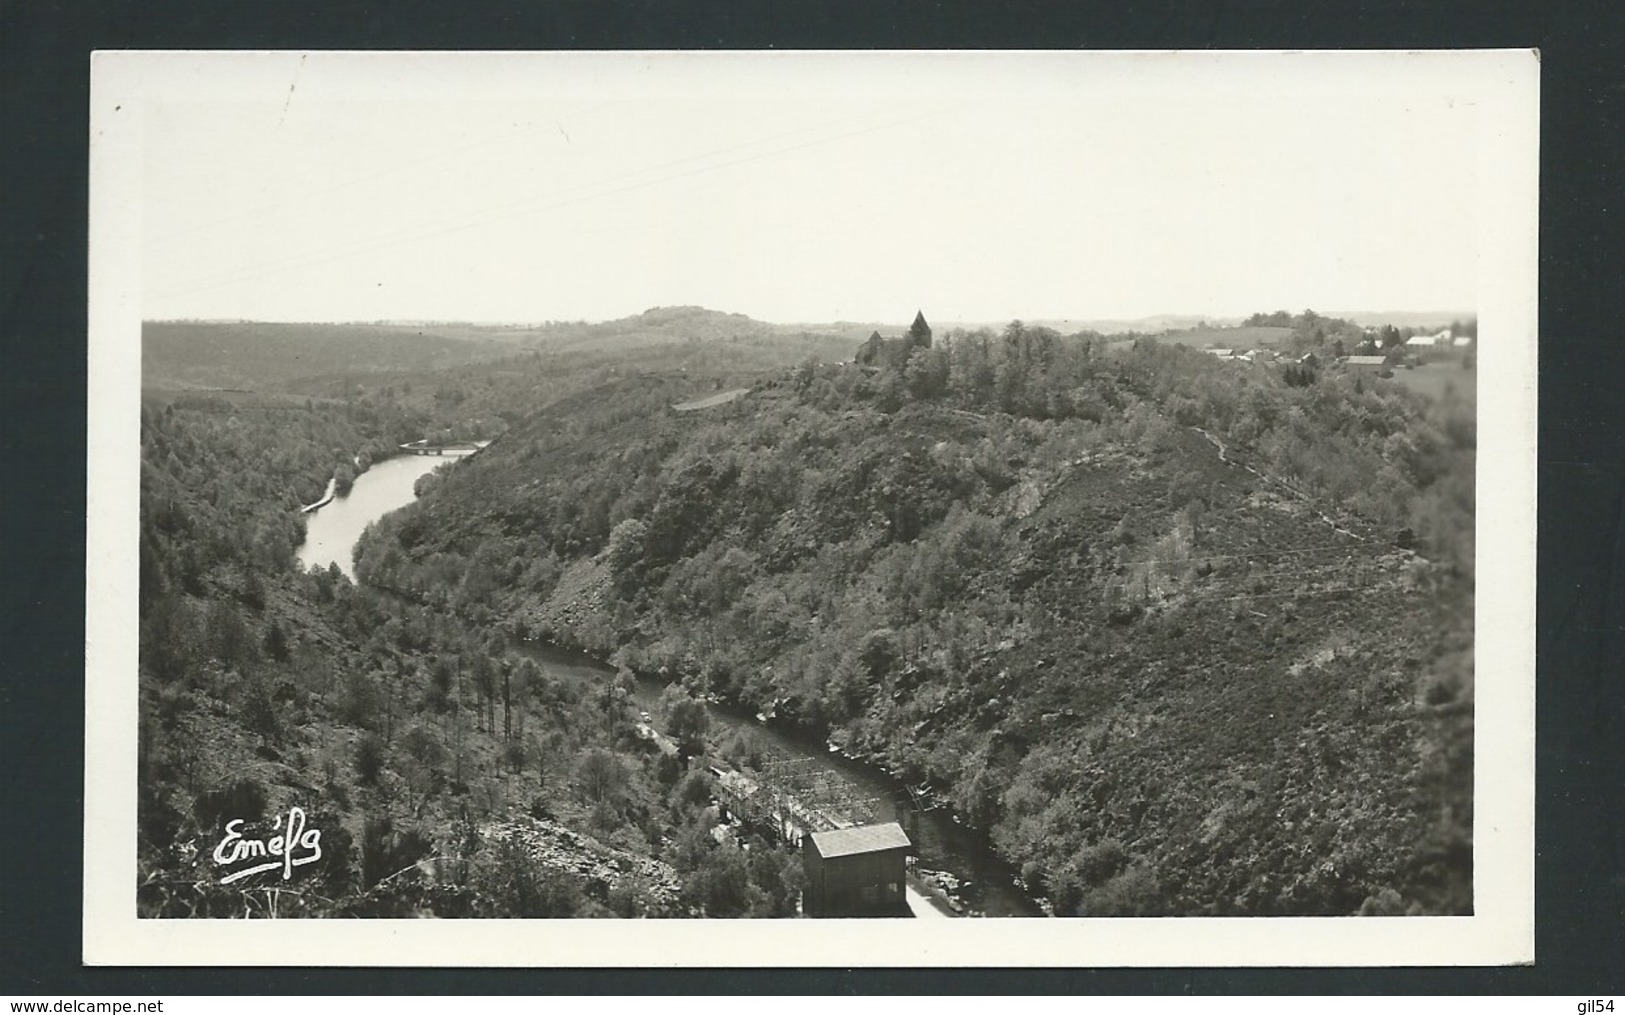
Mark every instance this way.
x=807 y=187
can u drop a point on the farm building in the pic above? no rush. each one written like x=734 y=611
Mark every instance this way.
x=1368 y=364
x=855 y=871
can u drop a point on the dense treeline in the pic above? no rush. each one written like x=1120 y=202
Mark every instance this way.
x=447 y=773
x=1029 y=571
x=1394 y=457
x=222 y=482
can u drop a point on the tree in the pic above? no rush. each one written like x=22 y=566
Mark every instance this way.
x=507 y=699
x=369 y=758
x=926 y=374
x=527 y=676
x=777 y=874
x=720 y=883
x=276 y=643
x=485 y=684
x=423 y=760
x=171 y=639
x=442 y=676
x=1010 y=373
x=228 y=635
x=625 y=554
x=970 y=367
x=542 y=749
x=603 y=778
x=806 y=371
x=258 y=712
x=685 y=718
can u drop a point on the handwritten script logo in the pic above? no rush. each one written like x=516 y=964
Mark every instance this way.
x=278 y=851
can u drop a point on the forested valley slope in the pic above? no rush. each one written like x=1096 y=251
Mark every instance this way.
x=1184 y=636
x=447 y=772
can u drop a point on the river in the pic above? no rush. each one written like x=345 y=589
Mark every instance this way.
x=977 y=879
x=984 y=883
x=331 y=531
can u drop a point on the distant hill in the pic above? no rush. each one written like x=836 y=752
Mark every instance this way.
x=666 y=325
x=1405 y=318
x=1164 y=323
x=1105 y=325
x=857 y=331
x=254 y=355
x=1146 y=325
x=1228 y=338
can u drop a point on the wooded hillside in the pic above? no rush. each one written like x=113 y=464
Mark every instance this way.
x=1185 y=636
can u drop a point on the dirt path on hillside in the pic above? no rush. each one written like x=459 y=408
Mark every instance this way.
x=1224 y=457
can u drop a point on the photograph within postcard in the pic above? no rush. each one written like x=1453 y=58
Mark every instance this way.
x=638 y=493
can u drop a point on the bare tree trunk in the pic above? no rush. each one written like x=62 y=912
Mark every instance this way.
x=457 y=726
x=507 y=705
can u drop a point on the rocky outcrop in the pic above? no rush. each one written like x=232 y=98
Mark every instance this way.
x=581 y=592
x=564 y=849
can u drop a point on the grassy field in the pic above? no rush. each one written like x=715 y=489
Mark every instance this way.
x=1431 y=379
x=1226 y=338
x=706 y=403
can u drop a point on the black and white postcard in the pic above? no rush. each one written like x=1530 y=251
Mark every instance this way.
x=811 y=509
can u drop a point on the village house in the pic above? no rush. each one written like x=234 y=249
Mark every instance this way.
x=1426 y=347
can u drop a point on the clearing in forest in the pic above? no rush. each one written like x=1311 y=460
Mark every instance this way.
x=720 y=398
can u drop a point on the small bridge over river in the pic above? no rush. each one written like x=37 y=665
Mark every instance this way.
x=427 y=447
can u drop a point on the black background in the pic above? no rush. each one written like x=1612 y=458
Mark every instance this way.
x=44 y=91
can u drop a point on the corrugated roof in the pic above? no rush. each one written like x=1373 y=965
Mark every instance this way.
x=1366 y=361
x=863 y=839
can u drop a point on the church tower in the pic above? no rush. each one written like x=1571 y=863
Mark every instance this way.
x=919 y=333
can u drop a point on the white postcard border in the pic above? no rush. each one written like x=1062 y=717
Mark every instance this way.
x=1504 y=87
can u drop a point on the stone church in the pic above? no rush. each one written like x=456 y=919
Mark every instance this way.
x=893 y=352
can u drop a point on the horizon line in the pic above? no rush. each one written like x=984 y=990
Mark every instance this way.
x=407 y=322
